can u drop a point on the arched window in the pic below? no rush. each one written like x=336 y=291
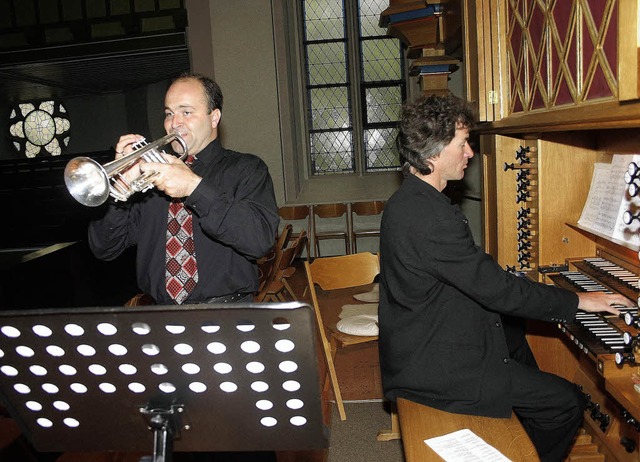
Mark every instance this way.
x=355 y=87
x=39 y=128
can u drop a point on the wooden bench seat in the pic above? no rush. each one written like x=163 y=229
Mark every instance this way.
x=418 y=423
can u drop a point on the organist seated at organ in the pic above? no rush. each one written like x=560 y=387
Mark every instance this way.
x=443 y=342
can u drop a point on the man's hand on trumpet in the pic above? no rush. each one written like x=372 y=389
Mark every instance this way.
x=125 y=146
x=175 y=178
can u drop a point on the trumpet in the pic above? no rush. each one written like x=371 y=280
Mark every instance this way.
x=91 y=183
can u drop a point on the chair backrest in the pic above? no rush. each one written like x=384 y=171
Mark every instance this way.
x=367 y=208
x=294 y=212
x=300 y=243
x=293 y=251
x=339 y=272
x=297 y=213
x=269 y=264
x=332 y=228
x=330 y=210
x=284 y=238
x=343 y=271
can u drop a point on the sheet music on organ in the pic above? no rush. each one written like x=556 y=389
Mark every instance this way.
x=609 y=199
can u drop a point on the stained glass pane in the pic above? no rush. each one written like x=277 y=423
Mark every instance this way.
x=383 y=104
x=329 y=108
x=26 y=108
x=370 y=16
x=39 y=127
x=332 y=152
x=324 y=19
x=31 y=150
x=327 y=63
x=329 y=88
x=62 y=125
x=54 y=147
x=47 y=106
x=16 y=130
x=381 y=151
x=381 y=60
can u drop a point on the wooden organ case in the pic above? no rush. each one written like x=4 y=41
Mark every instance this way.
x=558 y=90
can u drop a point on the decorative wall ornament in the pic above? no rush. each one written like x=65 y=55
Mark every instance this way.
x=39 y=128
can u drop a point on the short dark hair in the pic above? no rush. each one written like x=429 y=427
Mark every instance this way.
x=427 y=126
x=211 y=89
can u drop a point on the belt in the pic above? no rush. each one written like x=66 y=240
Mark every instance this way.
x=231 y=298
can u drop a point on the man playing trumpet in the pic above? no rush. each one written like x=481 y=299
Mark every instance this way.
x=200 y=231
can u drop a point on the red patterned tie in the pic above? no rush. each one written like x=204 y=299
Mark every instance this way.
x=181 y=275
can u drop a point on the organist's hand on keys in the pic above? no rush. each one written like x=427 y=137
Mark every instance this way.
x=594 y=302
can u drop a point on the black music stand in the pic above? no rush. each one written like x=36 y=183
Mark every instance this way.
x=240 y=377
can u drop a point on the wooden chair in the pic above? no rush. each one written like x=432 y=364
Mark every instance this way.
x=329 y=211
x=298 y=213
x=331 y=273
x=301 y=243
x=268 y=265
x=277 y=287
x=367 y=208
x=140 y=300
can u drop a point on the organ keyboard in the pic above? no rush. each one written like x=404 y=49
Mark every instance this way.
x=606 y=348
x=597 y=334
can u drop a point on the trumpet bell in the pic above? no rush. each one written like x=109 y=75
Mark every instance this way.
x=87 y=181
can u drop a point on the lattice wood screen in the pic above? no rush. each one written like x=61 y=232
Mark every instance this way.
x=561 y=53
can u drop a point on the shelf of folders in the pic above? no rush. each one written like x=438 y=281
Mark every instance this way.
x=433 y=73
x=417 y=24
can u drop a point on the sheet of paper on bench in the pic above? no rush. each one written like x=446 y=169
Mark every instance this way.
x=608 y=200
x=464 y=446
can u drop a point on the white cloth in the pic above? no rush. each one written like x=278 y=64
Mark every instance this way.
x=363 y=324
x=359 y=309
x=372 y=296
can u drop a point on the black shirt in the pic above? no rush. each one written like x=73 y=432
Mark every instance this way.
x=235 y=221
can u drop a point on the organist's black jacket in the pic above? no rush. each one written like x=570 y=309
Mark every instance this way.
x=442 y=341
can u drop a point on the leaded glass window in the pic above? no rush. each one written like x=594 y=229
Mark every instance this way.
x=35 y=128
x=355 y=87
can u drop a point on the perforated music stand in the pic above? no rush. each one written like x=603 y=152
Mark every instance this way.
x=240 y=377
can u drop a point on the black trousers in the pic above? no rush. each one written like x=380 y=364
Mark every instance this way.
x=550 y=409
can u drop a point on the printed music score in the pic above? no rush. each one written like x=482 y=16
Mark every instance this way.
x=609 y=199
x=465 y=446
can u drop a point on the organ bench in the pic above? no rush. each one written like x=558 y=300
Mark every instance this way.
x=419 y=422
